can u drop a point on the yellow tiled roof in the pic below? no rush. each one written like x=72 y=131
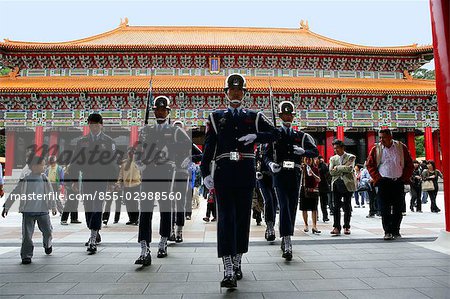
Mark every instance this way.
x=211 y=38
x=214 y=84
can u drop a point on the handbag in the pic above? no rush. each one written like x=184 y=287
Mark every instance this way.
x=309 y=192
x=339 y=186
x=427 y=186
x=363 y=186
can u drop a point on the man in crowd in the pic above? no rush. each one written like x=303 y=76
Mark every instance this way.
x=324 y=188
x=343 y=184
x=416 y=188
x=390 y=165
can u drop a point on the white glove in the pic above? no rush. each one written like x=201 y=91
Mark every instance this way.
x=274 y=167
x=298 y=150
x=186 y=162
x=259 y=175
x=249 y=138
x=209 y=182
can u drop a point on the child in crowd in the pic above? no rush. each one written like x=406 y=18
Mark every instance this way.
x=36 y=198
x=211 y=206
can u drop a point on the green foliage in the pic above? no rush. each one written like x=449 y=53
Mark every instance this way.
x=424 y=74
x=2 y=145
x=420 y=146
x=4 y=71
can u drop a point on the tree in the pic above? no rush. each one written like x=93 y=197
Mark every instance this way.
x=424 y=74
x=420 y=147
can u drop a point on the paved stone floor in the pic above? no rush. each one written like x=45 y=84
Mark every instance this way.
x=357 y=266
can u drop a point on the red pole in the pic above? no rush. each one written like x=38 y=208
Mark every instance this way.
x=39 y=140
x=53 y=144
x=134 y=135
x=340 y=133
x=440 y=28
x=411 y=140
x=329 y=150
x=370 y=137
x=429 y=151
x=85 y=130
x=9 y=155
x=437 y=154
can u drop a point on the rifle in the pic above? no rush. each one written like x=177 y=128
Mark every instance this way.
x=149 y=99
x=272 y=106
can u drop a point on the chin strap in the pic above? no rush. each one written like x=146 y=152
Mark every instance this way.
x=232 y=101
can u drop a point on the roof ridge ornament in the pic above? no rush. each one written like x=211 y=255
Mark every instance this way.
x=124 y=22
x=407 y=75
x=304 y=25
x=14 y=73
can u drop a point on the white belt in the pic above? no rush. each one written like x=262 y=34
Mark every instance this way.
x=235 y=156
x=290 y=165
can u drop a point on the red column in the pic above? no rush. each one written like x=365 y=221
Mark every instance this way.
x=340 y=133
x=10 y=144
x=39 y=140
x=53 y=143
x=370 y=140
x=321 y=149
x=429 y=151
x=437 y=154
x=86 y=130
x=411 y=143
x=134 y=135
x=329 y=150
x=440 y=28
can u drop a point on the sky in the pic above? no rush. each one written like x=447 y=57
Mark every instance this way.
x=371 y=23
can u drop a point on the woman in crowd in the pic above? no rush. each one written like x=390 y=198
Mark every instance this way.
x=309 y=194
x=432 y=174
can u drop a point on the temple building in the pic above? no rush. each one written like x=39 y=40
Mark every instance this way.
x=340 y=90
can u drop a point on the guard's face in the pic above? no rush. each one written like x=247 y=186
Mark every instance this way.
x=235 y=94
x=287 y=117
x=385 y=139
x=161 y=112
x=95 y=128
x=308 y=161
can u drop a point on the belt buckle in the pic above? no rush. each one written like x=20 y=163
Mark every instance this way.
x=288 y=164
x=235 y=156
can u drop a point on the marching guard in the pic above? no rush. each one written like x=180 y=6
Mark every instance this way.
x=162 y=148
x=183 y=207
x=265 y=185
x=284 y=159
x=228 y=166
x=97 y=174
